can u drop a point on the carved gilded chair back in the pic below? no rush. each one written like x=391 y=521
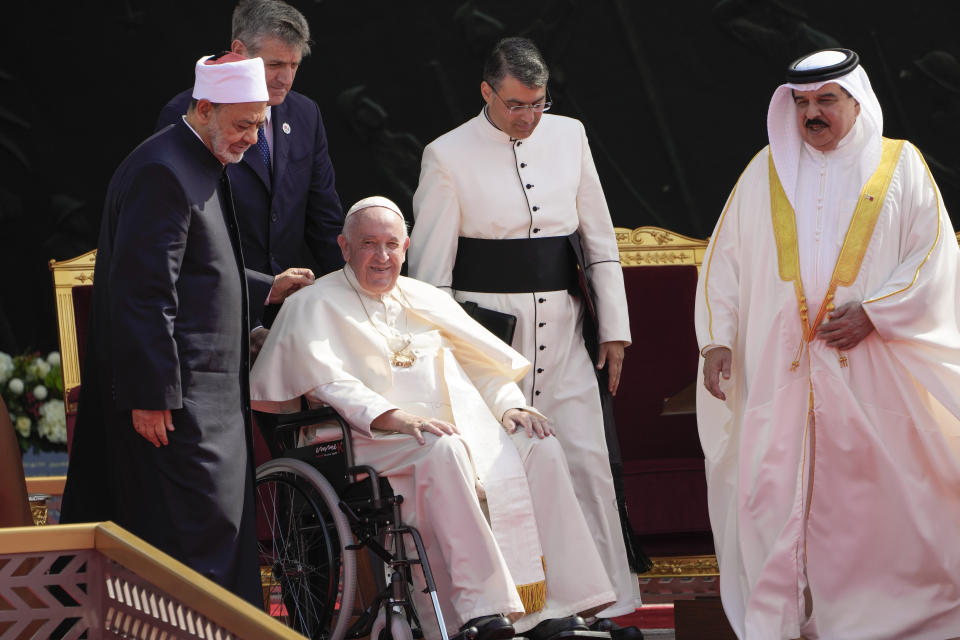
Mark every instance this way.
x=656 y=247
x=68 y=274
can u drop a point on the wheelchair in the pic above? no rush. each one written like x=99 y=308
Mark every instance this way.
x=315 y=511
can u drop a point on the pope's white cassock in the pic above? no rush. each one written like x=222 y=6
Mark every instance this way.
x=333 y=342
x=476 y=182
x=835 y=474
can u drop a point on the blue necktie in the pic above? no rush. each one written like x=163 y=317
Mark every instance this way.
x=264 y=149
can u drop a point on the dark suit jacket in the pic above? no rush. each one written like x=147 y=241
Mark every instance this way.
x=299 y=203
x=169 y=330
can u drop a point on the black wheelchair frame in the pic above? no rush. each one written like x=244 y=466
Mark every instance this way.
x=315 y=511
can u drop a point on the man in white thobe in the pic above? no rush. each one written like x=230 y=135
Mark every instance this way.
x=827 y=312
x=426 y=389
x=498 y=201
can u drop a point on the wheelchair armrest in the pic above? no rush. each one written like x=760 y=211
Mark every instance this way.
x=285 y=427
x=371 y=474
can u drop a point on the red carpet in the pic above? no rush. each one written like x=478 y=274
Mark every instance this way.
x=649 y=616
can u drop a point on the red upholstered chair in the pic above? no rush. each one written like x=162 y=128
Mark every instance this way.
x=663 y=464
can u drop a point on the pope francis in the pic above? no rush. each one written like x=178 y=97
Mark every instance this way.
x=433 y=400
x=827 y=310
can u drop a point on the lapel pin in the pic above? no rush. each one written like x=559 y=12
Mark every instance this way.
x=286 y=127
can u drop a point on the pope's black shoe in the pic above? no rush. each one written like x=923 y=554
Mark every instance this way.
x=555 y=626
x=492 y=627
x=616 y=631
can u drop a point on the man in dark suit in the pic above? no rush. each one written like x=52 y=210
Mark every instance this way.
x=284 y=189
x=162 y=443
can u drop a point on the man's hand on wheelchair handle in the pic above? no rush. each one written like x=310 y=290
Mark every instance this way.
x=412 y=424
x=289 y=281
x=513 y=419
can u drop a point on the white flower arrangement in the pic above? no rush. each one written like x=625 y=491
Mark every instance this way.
x=53 y=422
x=23 y=425
x=6 y=367
x=32 y=389
x=39 y=368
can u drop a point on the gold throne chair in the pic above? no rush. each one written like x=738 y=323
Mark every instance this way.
x=655 y=410
x=73 y=288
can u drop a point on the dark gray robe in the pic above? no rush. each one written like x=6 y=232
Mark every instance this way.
x=169 y=330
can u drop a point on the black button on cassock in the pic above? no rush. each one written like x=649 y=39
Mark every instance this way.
x=529 y=186
x=537 y=393
x=523 y=165
x=539 y=370
x=536 y=230
x=541 y=324
x=536 y=208
x=541 y=299
x=542 y=347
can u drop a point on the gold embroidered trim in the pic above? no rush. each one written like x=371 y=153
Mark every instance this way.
x=935 y=241
x=865 y=216
x=534 y=595
x=713 y=242
x=855 y=243
x=788 y=252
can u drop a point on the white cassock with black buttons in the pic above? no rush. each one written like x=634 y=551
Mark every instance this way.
x=477 y=182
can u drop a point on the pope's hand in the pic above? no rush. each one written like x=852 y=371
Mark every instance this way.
x=848 y=325
x=412 y=424
x=715 y=364
x=611 y=355
x=513 y=419
x=289 y=281
x=153 y=425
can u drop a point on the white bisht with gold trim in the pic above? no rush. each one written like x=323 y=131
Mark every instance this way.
x=836 y=472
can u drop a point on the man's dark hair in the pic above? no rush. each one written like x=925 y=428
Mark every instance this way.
x=255 y=19
x=517 y=57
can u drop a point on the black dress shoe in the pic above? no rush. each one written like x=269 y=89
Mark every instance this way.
x=492 y=627
x=616 y=631
x=554 y=626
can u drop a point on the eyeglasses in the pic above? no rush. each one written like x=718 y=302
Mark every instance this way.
x=517 y=109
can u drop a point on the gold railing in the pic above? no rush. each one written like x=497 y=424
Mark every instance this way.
x=101 y=580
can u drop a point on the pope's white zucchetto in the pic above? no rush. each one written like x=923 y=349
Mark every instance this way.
x=230 y=79
x=374 y=201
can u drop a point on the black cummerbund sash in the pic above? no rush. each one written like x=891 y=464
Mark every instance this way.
x=519 y=265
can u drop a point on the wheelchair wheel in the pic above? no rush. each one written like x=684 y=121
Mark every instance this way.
x=309 y=577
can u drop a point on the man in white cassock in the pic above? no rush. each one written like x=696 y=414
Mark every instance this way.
x=505 y=203
x=433 y=401
x=827 y=312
